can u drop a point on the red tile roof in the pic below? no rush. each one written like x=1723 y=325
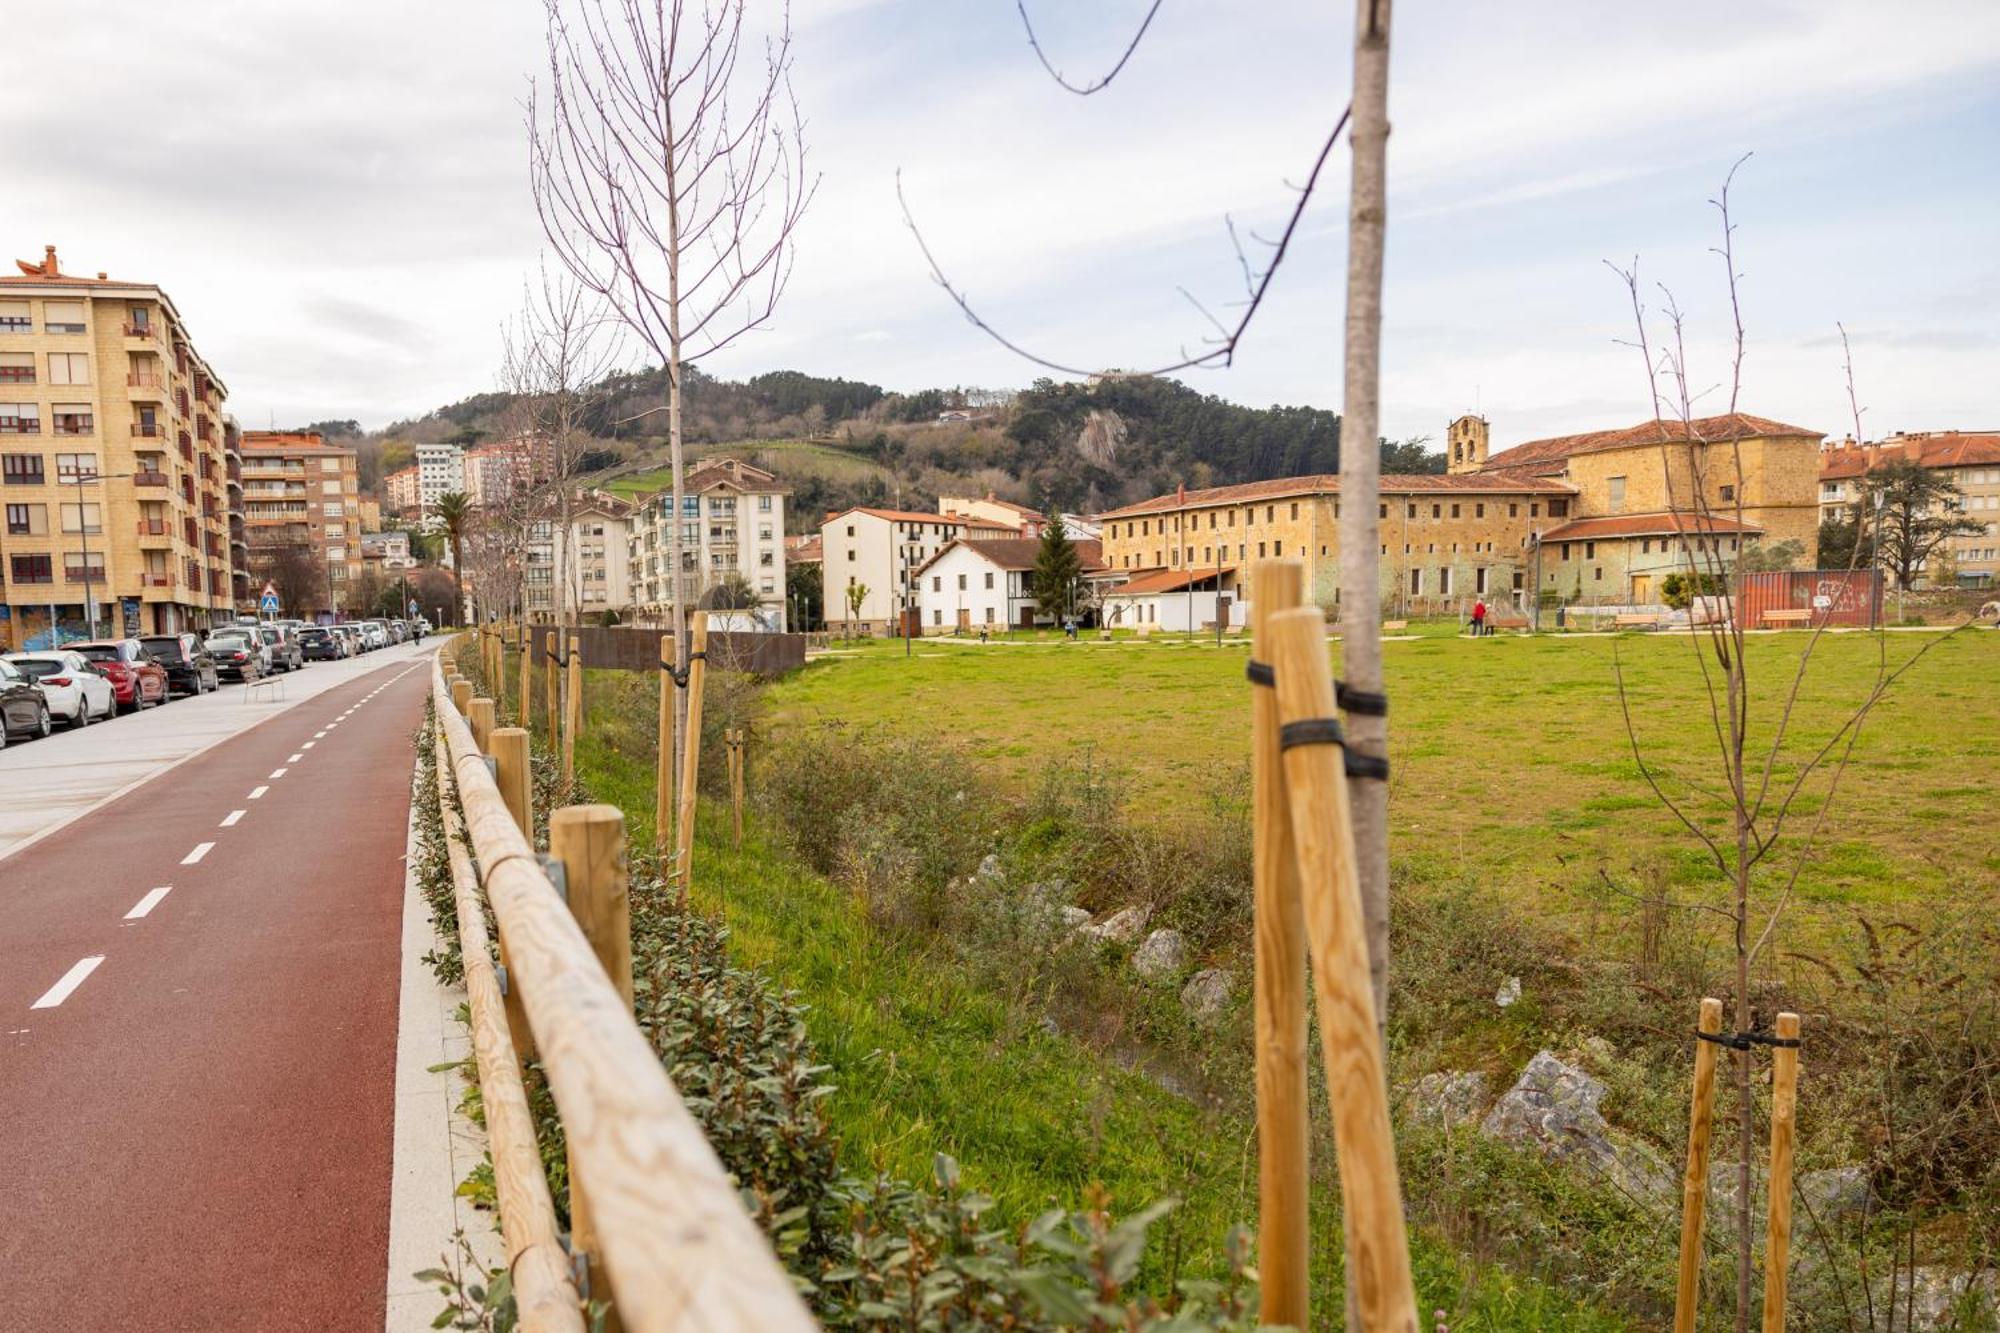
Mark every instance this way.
x=1328 y=483
x=807 y=551
x=1014 y=553
x=1949 y=448
x=1165 y=580
x=1661 y=524
x=1548 y=455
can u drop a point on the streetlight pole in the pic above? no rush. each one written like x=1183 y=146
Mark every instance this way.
x=83 y=532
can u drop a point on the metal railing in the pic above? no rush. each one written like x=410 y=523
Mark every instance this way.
x=655 y=1217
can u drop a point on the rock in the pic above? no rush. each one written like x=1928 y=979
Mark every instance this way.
x=1943 y=1298
x=1448 y=1098
x=1552 y=1109
x=1049 y=890
x=1206 y=994
x=1836 y=1192
x=1509 y=992
x=1161 y=957
x=989 y=866
x=1122 y=926
x=1073 y=918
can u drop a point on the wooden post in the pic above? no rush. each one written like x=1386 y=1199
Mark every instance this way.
x=515 y=778
x=1784 y=1117
x=736 y=780
x=589 y=841
x=663 y=795
x=1694 y=1181
x=523 y=713
x=461 y=694
x=552 y=689
x=1283 y=1245
x=479 y=714
x=691 y=749
x=573 y=710
x=1378 y=1243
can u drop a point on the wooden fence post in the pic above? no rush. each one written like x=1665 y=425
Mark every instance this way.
x=479 y=715
x=589 y=841
x=1378 y=1242
x=515 y=778
x=1283 y=1189
x=573 y=711
x=663 y=795
x=691 y=749
x=522 y=714
x=1784 y=1118
x=461 y=694
x=552 y=687
x=736 y=743
x=1694 y=1181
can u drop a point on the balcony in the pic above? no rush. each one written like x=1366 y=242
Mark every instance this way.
x=155 y=579
x=94 y=574
x=147 y=430
x=150 y=479
x=152 y=527
x=145 y=331
x=145 y=386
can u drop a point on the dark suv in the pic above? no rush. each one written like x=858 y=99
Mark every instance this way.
x=318 y=644
x=190 y=666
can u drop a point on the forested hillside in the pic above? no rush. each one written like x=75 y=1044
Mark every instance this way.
x=838 y=442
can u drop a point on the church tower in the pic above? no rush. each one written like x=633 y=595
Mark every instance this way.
x=1466 y=444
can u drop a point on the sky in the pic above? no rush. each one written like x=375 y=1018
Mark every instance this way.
x=336 y=196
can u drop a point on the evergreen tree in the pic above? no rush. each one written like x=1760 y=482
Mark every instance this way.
x=1057 y=572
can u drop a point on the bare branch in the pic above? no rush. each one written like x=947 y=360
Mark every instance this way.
x=1085 y=90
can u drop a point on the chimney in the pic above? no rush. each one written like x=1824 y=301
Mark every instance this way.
x=49 y=269
x=1180 y=495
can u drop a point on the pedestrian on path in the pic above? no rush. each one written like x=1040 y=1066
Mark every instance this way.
x=1479 y=618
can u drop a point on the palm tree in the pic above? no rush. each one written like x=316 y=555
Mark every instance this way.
x=454 y=511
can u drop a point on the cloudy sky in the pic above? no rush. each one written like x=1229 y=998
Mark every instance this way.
x=336 y=195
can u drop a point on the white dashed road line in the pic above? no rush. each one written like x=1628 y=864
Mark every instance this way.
x=149 y=902
x=308 y=745
x=71 y=979
x=201 y=849
x=277 y=773
x=295 y=759
x=257 y=793
x=229 y=820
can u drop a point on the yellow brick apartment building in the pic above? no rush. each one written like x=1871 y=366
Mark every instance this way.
x=300 y=491
x=1600 y=517
x=116 y=468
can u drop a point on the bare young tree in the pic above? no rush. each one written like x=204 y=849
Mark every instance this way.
x=1702 y=462
x=669 y=172
x=556 y=350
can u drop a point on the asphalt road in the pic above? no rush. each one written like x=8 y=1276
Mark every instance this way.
x=198 y=1007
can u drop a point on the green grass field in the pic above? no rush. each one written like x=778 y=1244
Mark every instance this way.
x=1510 y=758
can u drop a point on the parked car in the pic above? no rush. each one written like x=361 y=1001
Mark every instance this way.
x=76 y=691
x=282 y=649
x=140 y=682
x=374 y=634
x=190 y=667
x=23 y=709
x=319 y=644
x=238 y=652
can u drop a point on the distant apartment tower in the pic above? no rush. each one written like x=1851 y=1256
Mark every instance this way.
x=115 y=467
x=300 y=491
x=732 y=524
x=440 y=472
x=400 y=492
x=578 y=566
x=505 y=469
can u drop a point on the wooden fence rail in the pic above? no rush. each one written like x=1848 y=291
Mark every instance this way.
x=677 y=1247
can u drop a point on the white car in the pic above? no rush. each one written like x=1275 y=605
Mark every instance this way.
x=77 y=691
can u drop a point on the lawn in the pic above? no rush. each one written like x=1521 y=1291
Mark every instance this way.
x=1510 y=758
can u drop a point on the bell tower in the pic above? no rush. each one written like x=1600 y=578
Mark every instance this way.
x=1465 y=444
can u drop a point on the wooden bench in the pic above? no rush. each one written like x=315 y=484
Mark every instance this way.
x=1636 y=620
x=1392 y=626
x=1797 y=615
x=1507 y=622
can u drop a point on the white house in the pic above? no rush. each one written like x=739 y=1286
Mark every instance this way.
x=1170 y=599
x=984 y=583
x=880 y=552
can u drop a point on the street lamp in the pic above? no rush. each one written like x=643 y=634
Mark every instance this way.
x=83 y=531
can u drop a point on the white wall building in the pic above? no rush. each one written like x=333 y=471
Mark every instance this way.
x=440 y=471
x=1165 y=600
x=732 y=524
x=973 y=584
x=582 y=568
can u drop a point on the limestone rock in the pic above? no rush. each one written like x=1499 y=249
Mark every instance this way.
x=1553 y=1110
x=1206 y=994
x=1449 y=1098
x=989 y=866
x=1161 y=957
x=1835 y=1192
x=1122 y=926
x=1073 y=918
x=1509 y=992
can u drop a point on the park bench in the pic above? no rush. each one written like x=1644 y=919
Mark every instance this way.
x=1797 y=615
x=1507 y=622
x=1393 y=626
x=1636 y=620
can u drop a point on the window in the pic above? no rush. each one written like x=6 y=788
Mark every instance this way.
x=1270 y=513
x=22 y=469
x=1417 y=582
x=62 y=316
x=766 y=585
x=83 y=517
x=20 y=419
x=1295 y=509
x=1598 y=573
x=850 y=529
x=989 y=580
x=1454 y=511
x=1444 y=581
x=1260 y=550
x=961 y=583
x=14 y=317
x=336 y=529
x=1565 y=551
x=75 y=570
x=766 y=559
x=76 y=467
x=17 y=367
x=334 y=509
x=1479 y=511
x=1412 y=512
x=850 y=557
x=33 y=569
x=763 y=532
x=28 y=520
x=139 y=317
x=1479 y=580
x=1728 y=493
x=1384 y=512
x=69 y=368
x=1558 y=509
x=72 y=419
x=329 y=488
x=1616 y=487
x=1534 y=509
x=1437 y=511
x=1590 y=550
x=764 y=506
x=1513 y=510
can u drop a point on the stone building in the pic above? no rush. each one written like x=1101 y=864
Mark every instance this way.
x=115 y=464
x=1970 y=458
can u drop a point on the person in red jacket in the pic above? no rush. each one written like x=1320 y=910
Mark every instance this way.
x=1479 y=618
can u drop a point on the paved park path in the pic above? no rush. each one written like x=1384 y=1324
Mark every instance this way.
x=198 y=1020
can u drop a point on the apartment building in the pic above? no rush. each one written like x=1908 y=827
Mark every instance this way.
x=389 y=551
x=115 y=467
x=580 y=567
x=879 y=552
x=300 y=491
x=732 y=526
x=440 y=472
x=1970 y=458
x=401 y=493
x=498 y=472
